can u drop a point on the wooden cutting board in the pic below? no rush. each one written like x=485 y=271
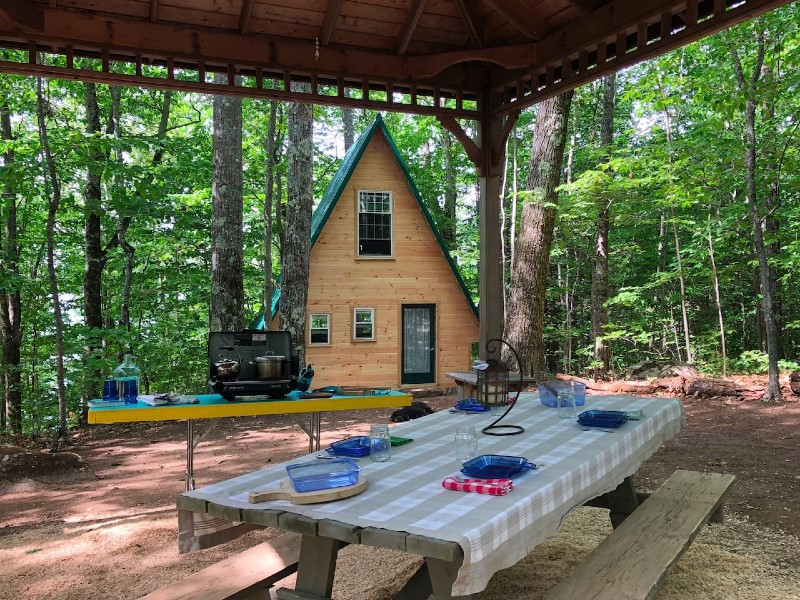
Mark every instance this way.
x=286 y=492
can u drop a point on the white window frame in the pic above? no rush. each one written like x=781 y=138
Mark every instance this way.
x=359 y=195
x=311 y=329
x=371 y=312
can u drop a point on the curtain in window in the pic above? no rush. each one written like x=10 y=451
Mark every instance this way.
x=417 y=340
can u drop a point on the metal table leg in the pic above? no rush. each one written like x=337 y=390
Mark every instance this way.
x=313 y=431
x=191 y=442
x=189 y=455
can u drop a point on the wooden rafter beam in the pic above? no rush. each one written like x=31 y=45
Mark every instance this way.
x=466 y=8
x=153 y=10
x=329 y=22
x=190 y=48
x=519 y=15
x=583 y=6
x=22 y=14
x=204 y=87
x=509 y=57
x=407 y=30
x=244 y=16
x=633 y=16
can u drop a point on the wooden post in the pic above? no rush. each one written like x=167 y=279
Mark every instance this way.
x=487 y=155
x=492 y=149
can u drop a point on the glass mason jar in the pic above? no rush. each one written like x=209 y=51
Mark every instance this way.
x=466 y=443
x=380 y=443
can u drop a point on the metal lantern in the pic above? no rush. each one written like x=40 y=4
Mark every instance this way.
x=492 y=384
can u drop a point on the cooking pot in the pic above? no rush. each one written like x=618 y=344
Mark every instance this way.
x=226 y=368
x=269 y=366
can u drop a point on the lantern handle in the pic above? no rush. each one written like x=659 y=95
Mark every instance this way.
x=493 y=428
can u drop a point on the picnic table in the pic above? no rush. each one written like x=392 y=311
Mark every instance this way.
x=464 y=537
x=213 y=406
x=466 y=383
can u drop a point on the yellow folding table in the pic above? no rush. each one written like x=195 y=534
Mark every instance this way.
x=213 y=406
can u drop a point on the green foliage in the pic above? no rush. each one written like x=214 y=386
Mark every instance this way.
x=675 y=169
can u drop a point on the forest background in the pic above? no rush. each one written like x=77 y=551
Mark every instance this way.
x=107 y=192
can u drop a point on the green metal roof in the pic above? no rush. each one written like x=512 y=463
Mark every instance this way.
x=336 y=188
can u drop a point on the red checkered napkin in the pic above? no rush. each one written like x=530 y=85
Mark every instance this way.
x=494 y=487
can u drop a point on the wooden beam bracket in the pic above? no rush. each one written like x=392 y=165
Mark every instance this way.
x=470 y=147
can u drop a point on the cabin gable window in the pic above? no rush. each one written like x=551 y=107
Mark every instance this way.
x=374 y=224
x=319 y=329
x=363 y=324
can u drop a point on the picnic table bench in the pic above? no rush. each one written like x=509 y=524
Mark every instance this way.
x=467 y=381
x=632 y=561
x=245 y=575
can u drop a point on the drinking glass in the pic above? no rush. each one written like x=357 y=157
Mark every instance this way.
x=466 y=443
x=566 y=404
x=380 y=443
x=110 y=393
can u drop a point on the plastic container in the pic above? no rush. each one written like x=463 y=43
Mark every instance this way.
x=127 y=376
x=602 y=418
x=380 y=443
x=550 y=390
x=354 y=446
x=323 y=474
x=494 y=466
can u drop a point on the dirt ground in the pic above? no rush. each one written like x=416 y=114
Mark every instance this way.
x=104 y=526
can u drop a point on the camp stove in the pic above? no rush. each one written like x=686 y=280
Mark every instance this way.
x=243 y=348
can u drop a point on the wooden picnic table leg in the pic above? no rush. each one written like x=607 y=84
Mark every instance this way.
x=315 y=570
x=622 y=501
x=442 y=575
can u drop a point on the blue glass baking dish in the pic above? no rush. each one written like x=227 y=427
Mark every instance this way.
x=323 y=474
x=471 y=405
x=354 y=447
x=496 y=466
x=602 y=418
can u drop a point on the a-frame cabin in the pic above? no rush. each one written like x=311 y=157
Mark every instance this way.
x=387 y=305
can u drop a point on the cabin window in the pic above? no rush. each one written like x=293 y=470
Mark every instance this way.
x=320 y=329
x=374 y=224
x=364 y=323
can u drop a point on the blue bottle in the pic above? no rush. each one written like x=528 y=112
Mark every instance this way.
x=304 y=383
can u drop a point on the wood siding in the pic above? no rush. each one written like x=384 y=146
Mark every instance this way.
x=417 y=274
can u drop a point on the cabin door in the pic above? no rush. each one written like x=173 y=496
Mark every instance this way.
x=419 y=344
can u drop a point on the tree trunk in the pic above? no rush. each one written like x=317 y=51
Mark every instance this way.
x=227 y=242
x=748 y=89
x=54 y=194
x=269 y=196
x=718 y=301
x=93 y=269
x=600 y=285
x=682 y=281
x=772 y=224
x=297 y=242
x=347 y=125
x=10 y=304
x=95 y=255
x=524 y=328
x=449 y=229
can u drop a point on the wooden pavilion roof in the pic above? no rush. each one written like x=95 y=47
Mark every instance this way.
x=462 y=58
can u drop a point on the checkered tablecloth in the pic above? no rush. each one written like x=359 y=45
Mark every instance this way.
x=406 y=493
